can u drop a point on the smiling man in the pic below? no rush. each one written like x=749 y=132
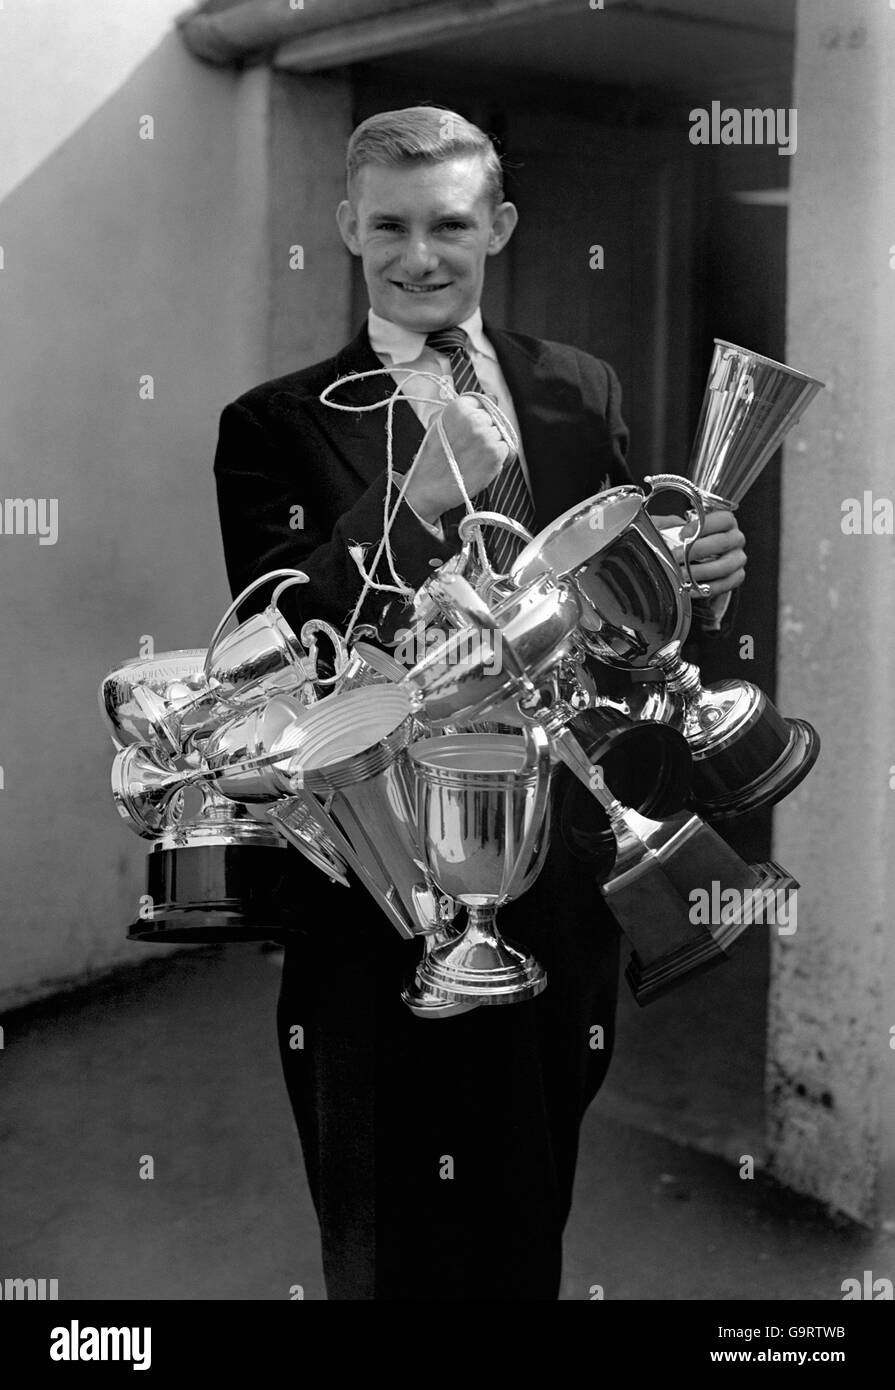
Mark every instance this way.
x=440 y=1153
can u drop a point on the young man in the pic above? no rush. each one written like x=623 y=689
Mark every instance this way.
x=440 y=1154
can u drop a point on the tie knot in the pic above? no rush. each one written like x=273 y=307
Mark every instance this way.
x=448 y=339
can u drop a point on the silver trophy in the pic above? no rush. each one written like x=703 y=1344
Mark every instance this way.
x=483 y=819
x=216 y=872
x=348 y=778
x=637 y=613
x=750 y=405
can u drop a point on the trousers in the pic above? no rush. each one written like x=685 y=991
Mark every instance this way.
x=441 y=1154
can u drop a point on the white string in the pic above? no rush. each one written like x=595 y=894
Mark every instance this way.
x=448 y=393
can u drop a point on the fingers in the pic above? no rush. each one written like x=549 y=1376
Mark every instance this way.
x=717 y=521
x=718 y=558
x=720 y=567
x=723 y=543
x=724 y=586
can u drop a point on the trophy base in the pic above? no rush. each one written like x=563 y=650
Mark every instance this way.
x=745 y=754
x=478 y=972
x=217 y=893
x=422 y=1003
x=649 y=980
x=772 y=786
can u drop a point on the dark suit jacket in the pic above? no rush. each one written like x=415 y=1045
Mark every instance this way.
x=281 y=450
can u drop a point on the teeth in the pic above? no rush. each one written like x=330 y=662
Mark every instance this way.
x=422 y=289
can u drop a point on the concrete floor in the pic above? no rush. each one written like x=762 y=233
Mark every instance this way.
x=177 y=1060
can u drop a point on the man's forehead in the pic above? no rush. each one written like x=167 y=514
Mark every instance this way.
x=455 y=185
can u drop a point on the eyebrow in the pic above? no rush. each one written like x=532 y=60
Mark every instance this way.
x=454 y=216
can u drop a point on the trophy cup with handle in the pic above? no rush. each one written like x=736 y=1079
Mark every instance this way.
x=483 y=820
x=750 y=405
x=636 y=614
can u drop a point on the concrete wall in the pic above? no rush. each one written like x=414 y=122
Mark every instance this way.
x=831 y=1072
x=122 y=257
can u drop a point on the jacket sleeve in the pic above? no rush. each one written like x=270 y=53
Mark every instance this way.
x=272 y=517
x=618 y=430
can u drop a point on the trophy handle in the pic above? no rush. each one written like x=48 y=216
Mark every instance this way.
x=293 y=577
x=308 y=639
x=537 y=759
x=474 y=521
x=675 y=483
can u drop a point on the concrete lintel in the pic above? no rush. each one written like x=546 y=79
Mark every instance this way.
x=403 y=29
x=309 y=36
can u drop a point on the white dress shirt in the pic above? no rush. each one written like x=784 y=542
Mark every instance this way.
x=400 y=347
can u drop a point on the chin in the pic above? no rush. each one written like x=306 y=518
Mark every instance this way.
x=420 y=313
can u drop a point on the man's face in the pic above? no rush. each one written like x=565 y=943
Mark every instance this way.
x=423 y=233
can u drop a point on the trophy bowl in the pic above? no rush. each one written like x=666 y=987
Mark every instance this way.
x=369 y=665
x=499 y=654
x=246 y=754
x=634 y=598
x=137 y=698
x=348 y=750
x=750 y=404
x=646 y=765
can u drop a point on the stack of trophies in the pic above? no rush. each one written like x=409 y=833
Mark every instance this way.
x=434 y=786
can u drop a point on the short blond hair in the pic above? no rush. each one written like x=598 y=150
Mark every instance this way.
x=422 y=135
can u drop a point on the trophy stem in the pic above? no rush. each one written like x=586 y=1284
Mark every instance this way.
x=479 y=966
x=575 y=758
x=682 y=677
x=481 y=924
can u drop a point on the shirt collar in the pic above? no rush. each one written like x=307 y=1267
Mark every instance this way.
x=402 y=345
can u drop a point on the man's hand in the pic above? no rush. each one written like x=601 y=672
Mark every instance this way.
x=479 y=448
x=719 y=556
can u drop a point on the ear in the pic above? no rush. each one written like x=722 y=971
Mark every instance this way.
x=503 y=224
x=346 y=216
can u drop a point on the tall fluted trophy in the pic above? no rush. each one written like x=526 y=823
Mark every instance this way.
x=432 y=788
x=750 y=405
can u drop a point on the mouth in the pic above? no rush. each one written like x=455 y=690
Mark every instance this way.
x=409 y=288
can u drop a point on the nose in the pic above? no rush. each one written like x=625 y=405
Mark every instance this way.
x=418 y=258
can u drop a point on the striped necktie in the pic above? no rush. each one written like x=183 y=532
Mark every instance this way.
x=509 y=493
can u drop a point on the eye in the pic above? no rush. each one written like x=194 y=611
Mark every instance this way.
x=387 y=227
x=454 y=226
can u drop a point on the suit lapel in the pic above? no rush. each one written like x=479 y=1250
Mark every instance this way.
x=548 y=408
